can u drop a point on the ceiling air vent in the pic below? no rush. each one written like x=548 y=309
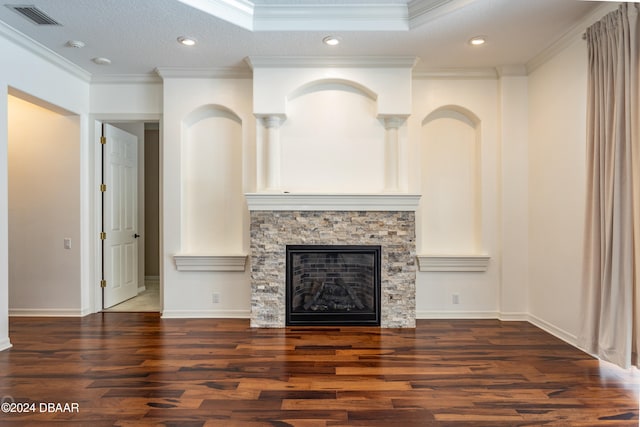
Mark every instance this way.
x=33 y=14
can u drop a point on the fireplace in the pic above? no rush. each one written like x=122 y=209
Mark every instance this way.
x=285 y=220
x=333 y=285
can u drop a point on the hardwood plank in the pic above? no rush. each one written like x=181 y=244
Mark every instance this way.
x=133 y=369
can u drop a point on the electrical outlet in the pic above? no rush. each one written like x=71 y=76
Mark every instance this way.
x=215 y=298
x=67 y=242
x=455 y=298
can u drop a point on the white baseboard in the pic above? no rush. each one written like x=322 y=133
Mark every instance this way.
x=47 y=312
x=5 y=344
x=206 y=314
x=554 y=330
x=457 y=315
x=514 y=317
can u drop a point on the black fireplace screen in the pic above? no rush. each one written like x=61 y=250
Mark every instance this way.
x=333 y=285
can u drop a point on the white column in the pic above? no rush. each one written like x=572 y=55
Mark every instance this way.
x=392 y=149
x=271 y=152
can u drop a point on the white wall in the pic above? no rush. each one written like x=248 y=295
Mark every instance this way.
x=514 y=195
x=25 y=69
x=44 y=210
x=557 y=134
x=478 y=291
x=189 y=293
x=332 y=142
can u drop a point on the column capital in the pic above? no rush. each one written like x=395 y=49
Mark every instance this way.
x=393 y=121
x=271 y=121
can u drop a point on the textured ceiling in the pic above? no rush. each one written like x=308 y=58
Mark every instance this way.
x=138 y=36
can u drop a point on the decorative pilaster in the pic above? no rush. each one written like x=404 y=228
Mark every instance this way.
x=271 y=151
x=392 y=152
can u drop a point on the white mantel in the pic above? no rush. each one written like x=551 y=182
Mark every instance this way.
x=332 y=202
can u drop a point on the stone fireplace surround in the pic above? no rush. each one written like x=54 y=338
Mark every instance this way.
x=278 y=220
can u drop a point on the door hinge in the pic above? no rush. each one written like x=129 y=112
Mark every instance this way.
x=103 y=187
x=103 y=236
x=103 y=140
x=103 y=283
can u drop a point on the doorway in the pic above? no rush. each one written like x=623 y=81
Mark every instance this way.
x=144 y=234
x=43 y=208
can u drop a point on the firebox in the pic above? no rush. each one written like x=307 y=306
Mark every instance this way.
x=333 y=285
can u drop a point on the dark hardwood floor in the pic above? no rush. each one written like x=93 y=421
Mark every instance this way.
x=135 y=369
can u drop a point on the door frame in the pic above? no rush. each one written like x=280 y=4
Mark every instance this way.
x=95 y=130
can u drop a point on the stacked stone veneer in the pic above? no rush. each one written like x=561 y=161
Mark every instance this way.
x=394 y=231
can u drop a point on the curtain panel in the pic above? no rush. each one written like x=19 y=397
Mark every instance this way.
x=611 y=299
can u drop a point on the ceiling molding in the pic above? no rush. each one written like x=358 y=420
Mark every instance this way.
x=516 y=70
x=456 y=73
x=331 y=61
x=352 y=15
x=204 y=73
x=237 y=12
x=572 y=35
x=126 y=79
x=42 y=52
x=423 y=11
x=331 y=17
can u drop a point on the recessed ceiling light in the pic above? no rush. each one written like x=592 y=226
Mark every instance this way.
x=75 y=43
x=187 y=41
x=101 y=61
x=331 y=40
x=478 y=40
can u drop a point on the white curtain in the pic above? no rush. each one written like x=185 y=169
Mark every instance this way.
x=611 y=303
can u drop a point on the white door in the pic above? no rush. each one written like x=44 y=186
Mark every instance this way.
x=120 y=215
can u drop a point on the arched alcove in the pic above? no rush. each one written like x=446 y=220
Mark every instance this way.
x=450 y=216
x=332 y=140
x=212 y=197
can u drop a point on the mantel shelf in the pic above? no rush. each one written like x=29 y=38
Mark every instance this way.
x=332 y=202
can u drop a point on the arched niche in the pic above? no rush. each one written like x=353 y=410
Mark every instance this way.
x=332 y=140
x=212 y=197
x=450 y=216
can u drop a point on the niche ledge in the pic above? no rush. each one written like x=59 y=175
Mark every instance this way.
x=210 y=262
x=453 y=262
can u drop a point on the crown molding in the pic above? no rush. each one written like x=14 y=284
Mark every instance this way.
x=331 y=17
x=294 y=15
x=126 y=79
x=331 y=61
x=571 y=36
x=424 y=11
x=40 y=51
x=518 y=70
x=203 y=73
x=237 y=12
x=456 y=73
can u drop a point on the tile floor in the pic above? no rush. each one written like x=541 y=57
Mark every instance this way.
x=146 y=301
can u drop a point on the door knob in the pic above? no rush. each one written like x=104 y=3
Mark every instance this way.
x=135 y=236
